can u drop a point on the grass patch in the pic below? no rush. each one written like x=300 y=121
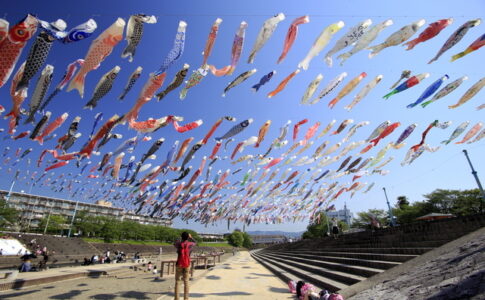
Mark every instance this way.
x=224 y=245
x=130 y=242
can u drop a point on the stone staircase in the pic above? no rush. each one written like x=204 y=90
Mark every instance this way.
x=335 y=264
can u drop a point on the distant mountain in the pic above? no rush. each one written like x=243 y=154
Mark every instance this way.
x=285 y=233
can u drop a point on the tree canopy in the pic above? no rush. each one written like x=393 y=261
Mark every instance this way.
x=111 y=229
x=54 y=224
x=8 y=215
x=456 y=202
x=236 y=238
x=318 y=228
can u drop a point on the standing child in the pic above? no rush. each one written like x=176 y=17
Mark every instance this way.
x=184 y=248
x=335 y=229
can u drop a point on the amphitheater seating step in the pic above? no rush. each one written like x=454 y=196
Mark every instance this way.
x=339 y=276
x=378 y=264
x=319 y=262
x=412 y=251
x=362 y=255
x=300 y=274
x=336 y=263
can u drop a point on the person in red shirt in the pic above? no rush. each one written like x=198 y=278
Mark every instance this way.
x=184 y=248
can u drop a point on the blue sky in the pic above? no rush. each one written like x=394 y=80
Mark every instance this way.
x=446 y=168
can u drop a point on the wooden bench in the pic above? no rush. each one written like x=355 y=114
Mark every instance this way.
x=200 y=260
x=171 y=265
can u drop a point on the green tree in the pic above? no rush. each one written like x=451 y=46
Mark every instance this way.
x=318 y=228
x=236 y=239
x=364 y=219
x=111 y=230
x=247 y=240
x=8 y=215
x=54 y=223
x=343 y=226
x=454 y=201
x=87 y=224
x=402 y=202
x=459 y=203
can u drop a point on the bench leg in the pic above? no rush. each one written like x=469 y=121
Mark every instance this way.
x=161 y=269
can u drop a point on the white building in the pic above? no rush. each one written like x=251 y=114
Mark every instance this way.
x=343 y=215
x=33 y=208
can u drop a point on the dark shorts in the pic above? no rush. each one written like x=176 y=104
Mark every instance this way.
x=335 y=230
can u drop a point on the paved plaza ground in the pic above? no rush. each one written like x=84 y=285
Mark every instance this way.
x=236 y=277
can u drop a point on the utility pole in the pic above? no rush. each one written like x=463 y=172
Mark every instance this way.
x=391 y=217
x=478 y=180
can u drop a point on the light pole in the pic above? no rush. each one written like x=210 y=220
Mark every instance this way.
x=391 y=217
x=48 y=218
x=32 y=213
x=72 y=221
x=478 y=180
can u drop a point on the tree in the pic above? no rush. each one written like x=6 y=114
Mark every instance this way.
x=343 y=226
x=111 y=230
x=410 y=213
x=54 y=223
x=459 y=203
x=247 y=240
x=8 y=215
x=87 y=224
x=402 y=202
x=364 y=219
x=454 y=201
x=318 y=228
x=236 y=239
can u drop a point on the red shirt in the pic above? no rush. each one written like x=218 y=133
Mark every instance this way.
x=190 y=244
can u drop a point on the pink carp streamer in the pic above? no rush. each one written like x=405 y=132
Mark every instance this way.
x=291 y=36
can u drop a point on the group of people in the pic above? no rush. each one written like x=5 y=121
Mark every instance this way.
x=307 y=291
x=26 y=265
x=120 y=256
x=152 y=268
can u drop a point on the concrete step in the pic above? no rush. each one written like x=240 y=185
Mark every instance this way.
x=376 y=244
x=362 y=255
x=406 y=251
x=282 y=274
x=319 y=281
x=317 y=262
x=377 y=264
x=343 y=277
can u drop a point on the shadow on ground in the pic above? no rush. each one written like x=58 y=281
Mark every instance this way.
x=279 y=290
x=16 y=294
x=104 y=296
x=265 y=275
x=225 y=294
x=68 y=295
